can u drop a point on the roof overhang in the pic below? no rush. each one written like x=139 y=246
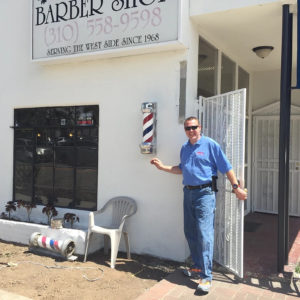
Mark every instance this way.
x=237 y=31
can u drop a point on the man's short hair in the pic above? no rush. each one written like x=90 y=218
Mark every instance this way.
x=190 y=119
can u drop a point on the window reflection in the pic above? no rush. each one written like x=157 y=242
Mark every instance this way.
x=86 y=188
x=43 y=183
x=23 y=156
x=207 y=69
x=209 y=82
x=86 y=115
x=227 y=75
x=56 y=156
x=63 y=186
x=244 y=83
x=63 y=116
x=86 y=167
x=23 y=150
x=44 y=146
x=87 y=137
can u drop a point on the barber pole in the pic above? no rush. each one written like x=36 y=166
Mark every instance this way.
x=149 y=113
x=46 y=242
x=66 y=248
x=148 y=128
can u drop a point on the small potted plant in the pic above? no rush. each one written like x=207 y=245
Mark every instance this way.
x=9 y=207
x=50 y=211
x=70 y=218
x=3 y=215
x=28 y=206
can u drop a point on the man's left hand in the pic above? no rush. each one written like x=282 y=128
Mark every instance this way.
x=240 y=193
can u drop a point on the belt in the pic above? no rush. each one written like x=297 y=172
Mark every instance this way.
x=198 y=187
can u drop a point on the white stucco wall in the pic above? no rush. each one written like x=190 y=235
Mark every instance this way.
x=266 y=89
x=205 y=7
x=118 y=86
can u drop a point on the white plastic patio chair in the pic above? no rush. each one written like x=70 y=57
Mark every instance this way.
x=122 y=208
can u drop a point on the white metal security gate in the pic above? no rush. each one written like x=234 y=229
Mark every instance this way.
x=266 y=164
x=223 y=119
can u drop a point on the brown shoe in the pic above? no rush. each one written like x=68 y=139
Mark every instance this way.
x=192 y=272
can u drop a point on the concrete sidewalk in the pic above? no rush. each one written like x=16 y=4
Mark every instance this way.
x=10 y=296
x=224 y=287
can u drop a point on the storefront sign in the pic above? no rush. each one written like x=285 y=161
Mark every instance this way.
x=68 y=27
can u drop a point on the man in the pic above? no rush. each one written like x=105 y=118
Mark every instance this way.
x=200 y=159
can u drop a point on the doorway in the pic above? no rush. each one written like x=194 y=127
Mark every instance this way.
x=266 y=161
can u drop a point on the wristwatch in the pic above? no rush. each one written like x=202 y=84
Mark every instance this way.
x=235 y=186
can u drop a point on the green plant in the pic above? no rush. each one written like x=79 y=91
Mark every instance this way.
x=50 y=211
x=9 y=207
x=297 y=269
x=3 y=215
x=27 y=205
x=72 y=218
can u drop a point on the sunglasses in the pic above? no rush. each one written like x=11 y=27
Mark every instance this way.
x=188 y=128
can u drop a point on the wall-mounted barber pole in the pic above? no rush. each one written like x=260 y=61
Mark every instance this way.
x=148 y=145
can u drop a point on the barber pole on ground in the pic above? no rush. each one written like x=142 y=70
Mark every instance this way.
x=65 y=248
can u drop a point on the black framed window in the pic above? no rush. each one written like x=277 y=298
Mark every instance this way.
x=56 y=155
x=207 y=69
x=228 y=74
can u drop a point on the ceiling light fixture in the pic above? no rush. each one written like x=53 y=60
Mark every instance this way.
x=262 y=51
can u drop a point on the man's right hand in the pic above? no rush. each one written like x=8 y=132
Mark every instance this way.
x=170 y=169
x=158 y=164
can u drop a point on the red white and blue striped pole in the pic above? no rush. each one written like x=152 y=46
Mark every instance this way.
x=66 y=248
x=149 y=120
x=147 y=127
